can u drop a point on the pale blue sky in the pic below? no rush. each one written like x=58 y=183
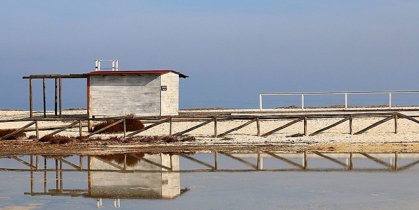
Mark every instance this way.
x=232 y=50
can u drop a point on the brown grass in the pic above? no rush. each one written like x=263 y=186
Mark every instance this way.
x=131 y=125
x=14 y=136
x=57 y=139
x=120 y=158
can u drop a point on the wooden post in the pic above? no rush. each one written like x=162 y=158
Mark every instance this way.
x=215 y=128
x=56 y=86
x=259 y=165
x=45 y=100
x=125 y=127
x=395 y=123
x=61 y=177
x=37 y=162
x=305 y=126
x=81 y=162
x=305 y=160
x=36 y=130
x=170 y=126
x=80 y=129
x=350 y=125
x=56 y=175
x=89 y=105
x=60 y=96
x=216 y=160
x=45 y=175
x=125 y=161
x=258 y=126
x=30 y=99
x=396 y=161
x=351 y=163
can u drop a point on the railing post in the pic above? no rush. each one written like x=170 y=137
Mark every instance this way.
x=260 y=102
x=346 y=100
x=302 y=101
x=389 y=100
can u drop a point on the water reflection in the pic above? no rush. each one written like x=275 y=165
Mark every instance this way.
x=157 y=176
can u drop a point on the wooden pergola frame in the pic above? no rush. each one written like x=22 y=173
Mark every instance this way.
x=58 y=90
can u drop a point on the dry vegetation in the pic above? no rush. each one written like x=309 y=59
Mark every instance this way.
x=14 y=136
x=131 y=125
x=57 y=139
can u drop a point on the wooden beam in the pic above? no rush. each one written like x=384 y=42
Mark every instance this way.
x=193 y=128
x=237 y=128
x=305 y=126
x=329 y=158
x=45 y=100
x=148 y=127
x=109 y=163
x=215 y=127
x=56 y=97
x=241 y=160
x=395 y=123
x=282 y=127
x=24 y=162
x=377 y=160
x=63 y=129
x=407 y=166
x=17 y=131
x=330 y=126
x=374 y=125
x=408 y=117
x=197 y=161
x=30 y=99
x=69 y=163
x=350 y=125
x=285 y=160
x=258 y=127
x=106 y=127
x=150 y=162
x=60 y=96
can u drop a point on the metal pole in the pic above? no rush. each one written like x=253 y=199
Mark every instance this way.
x=389 y=100
x=346 y=100
x=302 y=101
x=260 y=102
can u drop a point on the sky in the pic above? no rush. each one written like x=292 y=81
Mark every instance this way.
x=232 y=50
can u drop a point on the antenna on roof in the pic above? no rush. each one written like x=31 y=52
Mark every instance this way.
x=114 y=65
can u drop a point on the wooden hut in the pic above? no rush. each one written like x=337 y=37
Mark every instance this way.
x=140 y=93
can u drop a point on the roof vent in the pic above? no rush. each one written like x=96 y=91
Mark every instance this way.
x=114 y=65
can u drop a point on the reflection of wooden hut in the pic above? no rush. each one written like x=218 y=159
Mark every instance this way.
x=156 y=185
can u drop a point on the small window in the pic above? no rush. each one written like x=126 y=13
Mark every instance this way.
x=164 y=88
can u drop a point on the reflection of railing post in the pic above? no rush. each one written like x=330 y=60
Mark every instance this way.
x=396 y=162
x=216 y=160
x=305 y=160
x=351 y=163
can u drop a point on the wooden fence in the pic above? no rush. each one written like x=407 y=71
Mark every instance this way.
x=153 y=121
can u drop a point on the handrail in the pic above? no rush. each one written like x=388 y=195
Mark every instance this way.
x=345 y=93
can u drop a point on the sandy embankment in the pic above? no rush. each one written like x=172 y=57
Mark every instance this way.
x=337 y=137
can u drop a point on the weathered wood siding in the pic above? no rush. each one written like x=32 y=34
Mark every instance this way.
x=163 y=185
x=115 y=95
x=170 y=97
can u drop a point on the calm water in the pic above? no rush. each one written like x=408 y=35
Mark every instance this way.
x=207 y=181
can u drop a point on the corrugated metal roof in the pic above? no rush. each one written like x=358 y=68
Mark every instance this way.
x=136 y=72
